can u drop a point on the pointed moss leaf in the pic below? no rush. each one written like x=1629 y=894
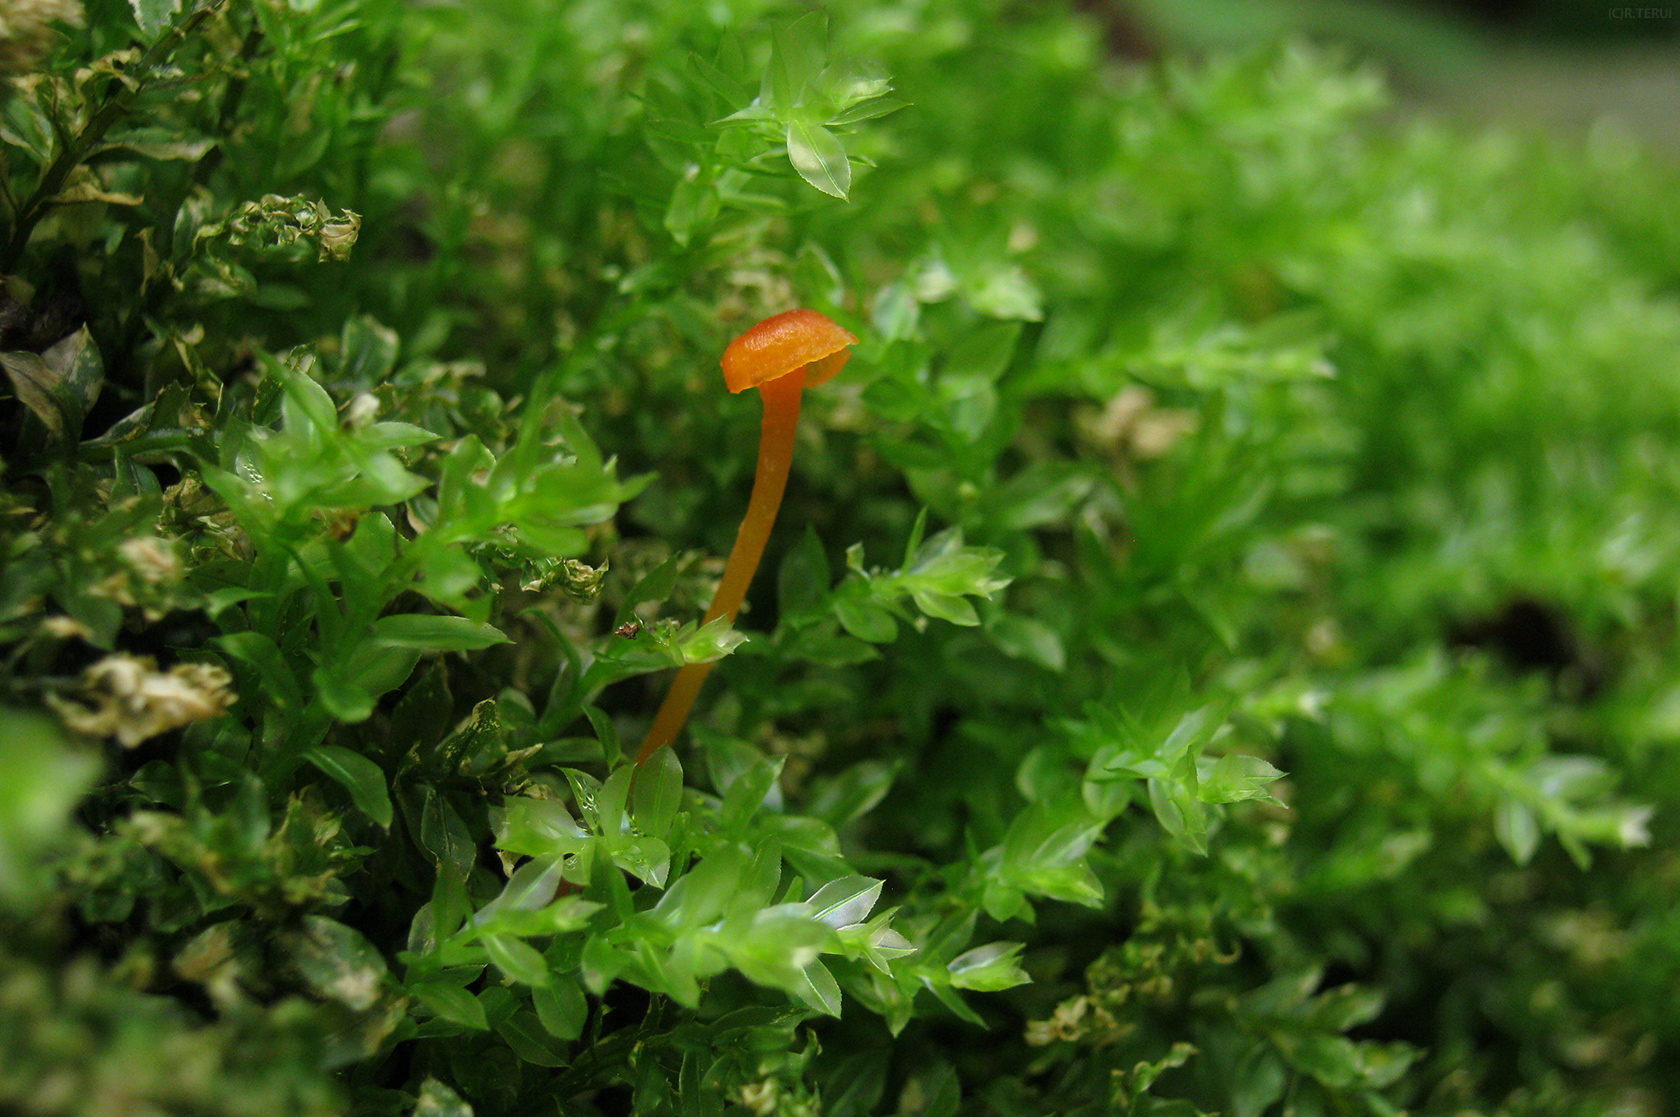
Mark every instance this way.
x=819 y=277
x=438 y=1100
x=1346 y=1006
x=1180 y=814
x=805 y=44
x=338 y=962
x=988 y=968
x=803 y=578
x=1053 y=841
x=426 y=633
x=730 y=91
x=702 y=894
x=1144 y=1074
x=709 y=642
x=1285 y=996
x=1382 y=1064
x=45 y=777
x=983 y=353
x=853 y=792
x=606 y=732
x=1074 y=883
x=448 y=575
x=305 y=404
x=452 y=1003
x=561 y=1007
x=343 y=696
x=944 y=565
x=948 y=937
x=1006 y=292
x=895 y=313
x=762 y=876
x=1517 y=829
x=948 y=997
x=538 y=827
x=674 y=130
x=600 y=964
x=1261 y=1079
x=1238 y=777
x=883 y=943
x=449 y=901
x=1193 y=731
x=843 y=902
x=395 y=436
x=1043 y=493
x=422 y=931
x=868 y=110
x=519 y=960
x=726 y=758
x=694 y=204
x=946 y=607
x=364 y=779
x=1065 y=844
x=810 y=845
x=755 y=111
x=444 y=835
x=1025 y=638
x=820 y=158
x=646 y=859
x=1333 y=1060
x=943 y=1092
x=1044 y=854
x=154 y=15
x=568 y=913
x=1571 y=778
x=657 y=793
x=819 y=989
x=368 y=350
x=41 y=391
x=777 y=92
x=531 y=886
x=371 y=669
x=586 y=792
x=79 y=369
x=749 y=793
x=530 y=1040
x=797 y=55
x=610 y=801
x=866 y=619
x=777 y=945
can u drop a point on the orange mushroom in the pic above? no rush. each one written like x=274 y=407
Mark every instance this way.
x=781 y=357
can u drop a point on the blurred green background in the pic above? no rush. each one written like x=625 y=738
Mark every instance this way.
x=1550 y=65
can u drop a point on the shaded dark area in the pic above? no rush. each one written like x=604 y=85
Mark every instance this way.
x=1530 y=635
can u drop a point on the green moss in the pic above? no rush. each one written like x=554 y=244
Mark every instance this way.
x=1213 y=658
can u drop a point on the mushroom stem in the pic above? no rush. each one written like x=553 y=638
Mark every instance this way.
x=775 y=456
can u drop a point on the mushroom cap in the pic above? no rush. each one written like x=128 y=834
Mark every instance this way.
x=785 y=343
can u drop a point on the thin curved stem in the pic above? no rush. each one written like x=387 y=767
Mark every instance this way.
x=775 y=456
